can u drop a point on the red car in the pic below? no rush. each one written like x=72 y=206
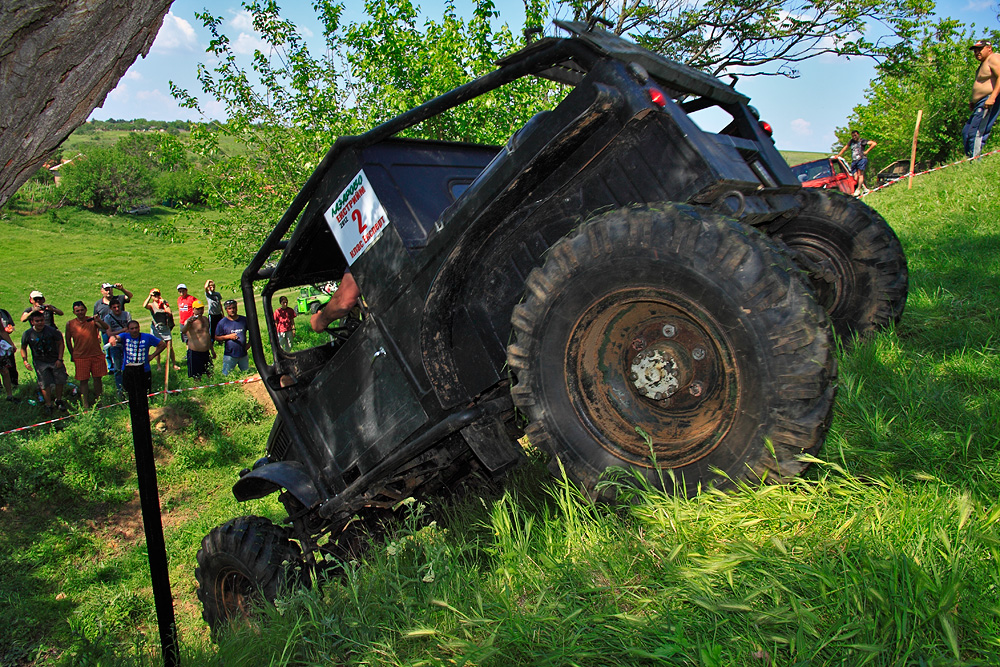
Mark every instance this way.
x=831 y=173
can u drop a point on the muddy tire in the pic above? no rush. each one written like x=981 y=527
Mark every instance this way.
x=314 y=307
x=681 y=325
x=244 y=563
x=853 y=259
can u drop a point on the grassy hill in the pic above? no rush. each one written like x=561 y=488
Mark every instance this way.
x=885 y=553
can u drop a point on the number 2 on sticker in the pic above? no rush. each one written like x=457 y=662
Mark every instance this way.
x=356 y=214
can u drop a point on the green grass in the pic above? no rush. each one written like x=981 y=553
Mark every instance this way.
x=67 y=253
x=798 y=157
x=884 y=553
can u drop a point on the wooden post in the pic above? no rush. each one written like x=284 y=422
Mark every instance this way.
x=913 y=151
x=166 y=370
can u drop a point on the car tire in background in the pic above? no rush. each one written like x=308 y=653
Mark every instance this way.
x=853 y=259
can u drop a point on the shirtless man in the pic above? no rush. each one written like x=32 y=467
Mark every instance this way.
x=199 y=341
x=984 y=97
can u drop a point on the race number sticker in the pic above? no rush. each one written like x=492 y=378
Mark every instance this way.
x=356 y=218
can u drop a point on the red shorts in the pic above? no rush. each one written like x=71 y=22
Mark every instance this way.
x=90 y=366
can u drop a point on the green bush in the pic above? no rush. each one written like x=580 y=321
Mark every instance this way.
x=107 y=179
x=180 y=187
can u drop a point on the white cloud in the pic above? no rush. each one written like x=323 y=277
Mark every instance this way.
x=241 y=20
x=119 y=94
x=245 y=44
x=175 y=34
x=977 y=5
x=133 y=75
x=801 y=127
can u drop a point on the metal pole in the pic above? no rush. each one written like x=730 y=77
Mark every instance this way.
x=149 y=498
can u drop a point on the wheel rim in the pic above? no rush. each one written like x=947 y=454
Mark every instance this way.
x=237 y=594
x=831 y=273
x=649 y=359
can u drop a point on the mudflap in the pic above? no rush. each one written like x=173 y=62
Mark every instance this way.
x=489 y=440
x=272 y=477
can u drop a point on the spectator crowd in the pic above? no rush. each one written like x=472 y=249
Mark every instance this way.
x=104 y=339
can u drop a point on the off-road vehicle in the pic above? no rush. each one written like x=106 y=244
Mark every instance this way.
x=637 y=291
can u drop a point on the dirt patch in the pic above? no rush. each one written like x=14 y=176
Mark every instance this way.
x=259 y=392
x=168 y=419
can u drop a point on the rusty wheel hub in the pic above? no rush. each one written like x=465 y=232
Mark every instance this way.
x=646 y=361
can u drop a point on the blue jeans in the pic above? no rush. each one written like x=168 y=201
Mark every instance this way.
x=228 y=363
x=977 y=131
x=117 y=355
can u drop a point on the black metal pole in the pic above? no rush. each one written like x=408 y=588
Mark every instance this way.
x=149 y=498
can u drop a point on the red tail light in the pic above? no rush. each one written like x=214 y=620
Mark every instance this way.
x=767 y=128
x=657 y=97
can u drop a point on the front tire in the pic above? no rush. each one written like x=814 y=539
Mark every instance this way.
x=314 y=307
x=680 y=326
x=854 y=260
x=243 y=563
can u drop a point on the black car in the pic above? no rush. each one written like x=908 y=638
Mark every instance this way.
x=632 y=290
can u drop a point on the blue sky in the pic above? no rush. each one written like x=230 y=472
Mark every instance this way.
x=804 y=112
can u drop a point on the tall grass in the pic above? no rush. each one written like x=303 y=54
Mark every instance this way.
x=884 y=553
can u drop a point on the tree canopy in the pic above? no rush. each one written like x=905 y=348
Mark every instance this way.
x=760 y=37
x=938 y=81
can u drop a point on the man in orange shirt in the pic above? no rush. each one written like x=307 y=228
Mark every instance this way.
x=83 y=340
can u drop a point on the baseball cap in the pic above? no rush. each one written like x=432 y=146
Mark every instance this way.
x=35 y=295
x=230 y=302
x=182 y=286
x=106 y=285
x=197 y=304
x=978 y=44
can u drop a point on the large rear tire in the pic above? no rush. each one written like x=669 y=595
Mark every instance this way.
x=680 y=326
x=244 y=563
x=854 y=260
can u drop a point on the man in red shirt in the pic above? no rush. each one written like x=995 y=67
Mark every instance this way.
x=284 y=322
x=184 y=307
x=83 y=341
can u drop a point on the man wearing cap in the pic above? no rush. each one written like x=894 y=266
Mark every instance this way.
x=984 y=99
x=38 y=304
x=103 y=306
x=47 y=354
x=232 y=330
x=184 y=301
x=83 y=341
x=199 y=342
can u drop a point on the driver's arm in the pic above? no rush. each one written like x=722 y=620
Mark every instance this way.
x=342 y=302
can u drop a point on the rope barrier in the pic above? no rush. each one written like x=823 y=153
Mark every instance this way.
x=927 y=171
x=252 y=378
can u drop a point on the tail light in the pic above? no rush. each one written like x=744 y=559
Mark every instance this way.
x=657 y=97
x=764 y=125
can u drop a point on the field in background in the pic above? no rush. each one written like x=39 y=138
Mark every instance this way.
x=798 y=157
x=886 y=553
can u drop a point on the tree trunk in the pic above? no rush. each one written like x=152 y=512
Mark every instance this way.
x=58 y=61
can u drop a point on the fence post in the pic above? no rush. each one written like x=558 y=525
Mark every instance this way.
x=913 y=151
x=149 y=499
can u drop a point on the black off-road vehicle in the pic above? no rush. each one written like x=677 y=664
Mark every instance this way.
x=636 y=291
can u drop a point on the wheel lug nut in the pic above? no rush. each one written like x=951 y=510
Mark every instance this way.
x=698 y=353
x=696 y=388
x=669 y=331
x=639 y=344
